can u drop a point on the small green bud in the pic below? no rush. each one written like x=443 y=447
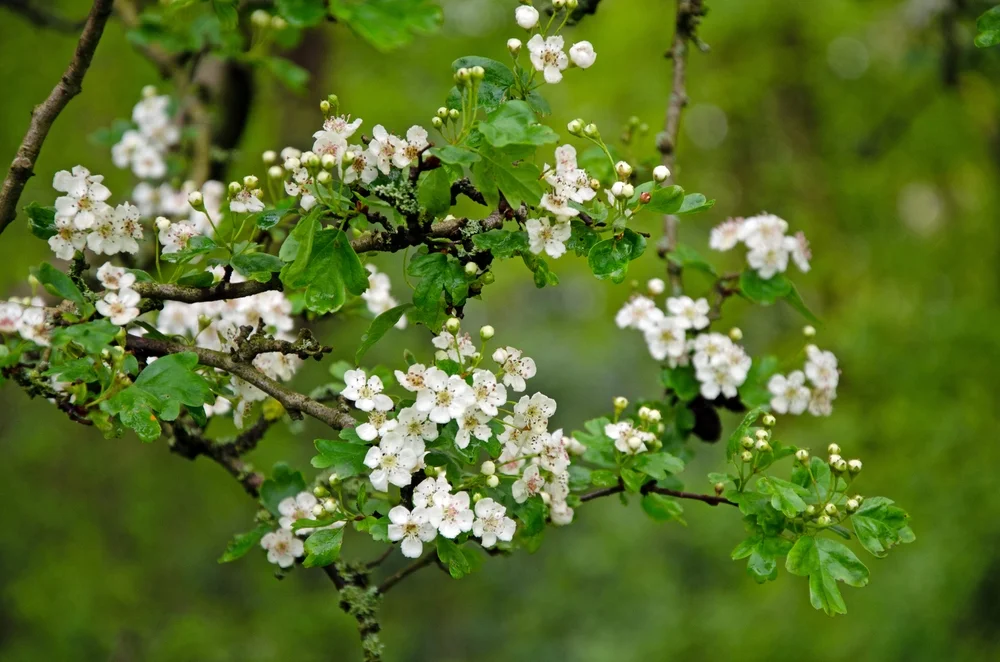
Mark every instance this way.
x=830 y=509
x=477 y=73
x=644 y=413
x=719 y=488
x=655 y=415
x=437 y=122
x=620 y=404
x=330 y=505
x=492 y=481
x=833 y=449
x=763 y=447
x=275 y=172
x=854 y=466
x=324 y=177
x=453 y=114
x=453 y=324
x=250 y=182
x=623 y=169
x=196 y=200
x=840 y=466
x=852 y=505
x=823 y=520
x=575 y=127
x=270 y=157
x=471 y=268
x=486 y=332
x=318 y=511
x=809 y=331
x=477 y=497
x=260 y=18
x=278 y=23
x=488 y=468
x=810 y=510
x=769 y=420
x=488 y=278
x=319 y=492
x=591 y=131
x=324 y=106
x=333 y=479
x=328 y=162
x=333 y=99
x=746 y=456
x=235 y=188
x=746 y=442
x=762 y=434
x=802 y=455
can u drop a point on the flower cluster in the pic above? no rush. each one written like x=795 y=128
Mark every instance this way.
x=458 y=404
x=144 y=148
x=83 y=218
x=546 y=53
x=120 y=303
x=679 y=337
x=173 y=204
x=25 y=317
x=378 y=296
x=790 y=393
x=570 y=184
x=769 y=246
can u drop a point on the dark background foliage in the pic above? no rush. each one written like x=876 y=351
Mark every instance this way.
x=873 y=126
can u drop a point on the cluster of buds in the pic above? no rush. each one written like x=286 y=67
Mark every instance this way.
x=262 y=20
x=445 y=115
x=840 y=465
x=469 y=76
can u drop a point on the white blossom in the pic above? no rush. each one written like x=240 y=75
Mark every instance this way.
x=639 y=312
x=456 y=517
x=413 y=427
x=492 y=523
x=487 y=392
x=665 y=338
x=790 y=395
x=821 y=368
x=114 y=278
x=391 y=461
x=690 y=314
x=530 y=484
x=472 y=423
x=377 y=425
x=387 y=150
x=445 y=398
x=366 y=392
x=120 y=307
x=582 y=54
x=295 y=508
x=282 y=547
x=628 y=439
x=34 y=325
x=413 y=379
x=85 y=196
x=516 y=367
x=526 y=16
x=544 y=235
x=547 y=56
x=412 y=528
x=455 y=346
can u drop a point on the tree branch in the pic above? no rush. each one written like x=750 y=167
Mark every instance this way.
x=651 y=488
x=188 y=443
x=42 y=18
x=45 y=114
x=382 y=241
x=292 y=401
x=689 y=13
x=406 y=571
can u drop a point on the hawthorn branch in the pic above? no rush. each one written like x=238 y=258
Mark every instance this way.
x=374 y=241
x=651 y=488
x=45 y=114
x=42 y=18
x=393 y=579
x=689 y=13
x=189 y=444
x=293 y=401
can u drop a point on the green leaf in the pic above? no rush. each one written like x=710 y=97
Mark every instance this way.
x=502 y=243
x=325 y=264
x=600 y=448
x=988 y=28
x=243 y=543
x=346 y=457
x=694 y=203
x=378 y=328
x=302 y=13
x=387 y=24
x=880 y=525
x=753 y=392
x=543 y=275
x=455 y=155
x=492 y=89
x=227 y=13
x=761 y=290
x=826 y=561
x=91 y=336
x=634 y=480
x=603 y=478
x=453 y=558
x=323 y=547
x=197 y=246
x=610 y=258
x=661 y=508
x=532 y=514
x=506 y=171
x=41 y=220
x=515 y=123
x=582 y=238
x=785 y=496
x=282 y=484
x=666 y=200
x=59 y=284
x=688 y=258
x=434 y=191
x=682 y=382
x=439 y=274
x=762 y=553
x=659 y=464
x=817 y=469
x=795 y=301
x=268 y=218
x=290 y=74
x=256 y=266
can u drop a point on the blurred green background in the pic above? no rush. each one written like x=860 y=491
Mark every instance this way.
x=872 y=126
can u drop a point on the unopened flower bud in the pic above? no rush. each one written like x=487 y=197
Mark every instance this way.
x=453 y=324
x=462 y=75
x=634 y=443
x=645 y=197
x=488 y=278
x=311 y=160
x=618 y=190
x=830 y=509
x=595 y=184
x=324 y=107
x=656 y=286
x=719 y=488
x=320 y=491
x=149 y=91
x=746 y=456
x=833 y=449
x=440 y=355
x=196 y=200
x=250 y=182
x=330 y=505
x=833 y=459
x=278 y=23
x=500 y=355
x=333 y=479
x=840 y=466
x=823 y=520
x=292 y=164
x=736 y=334
x=526 y=16
x=762 y=434
x=477 y=73
x=802 y=455
x=809 y=331
x=486 y=332
x=661 y=173
x=591 y=131
x=746 y=442
x=572 y=4
x=810 y=510
x=260 y=18
x=328 y=162
x=655 y=415
x=349 y=157
x=620 y=403
x=558 y=4
x=471 y=268
x=492 y=481
x=163 y=223
x=644 y=413
x=488 y=468
x=575 y=127
x=852 y=505
x=270 y=157
x=628 y=191
x=477 y=497
x=235 y=188
x=437 y=122
x=769 y=420
x=854 y=466
x=453 y=114
x=318 y=511
x=623 y=169
x=476 y=357
x=858 y=498
x=514 y=46
x=762 y=446
x=275 y=172
x=324 y=177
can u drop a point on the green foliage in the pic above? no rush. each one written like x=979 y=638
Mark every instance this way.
x=41 y=220
x=378 y=328
x=609 y=259
x=323 y=264
x=91 y=337
x=681 y=380
x=826 y=562
x=666 y=200
x=323 y=547
x=434 y=192
x=502 y=243
x=282 y=484
x=256 y=266
x=492 y=89
x=345 y=457
x=59 y=284
x=242 y=543
x=661 y=508
x=881 y=525
x=688 y=258
x=505 y=171
x=443 y=282
x=515 y=123
x=762 y=552
x=387 y=24
x=988 y=28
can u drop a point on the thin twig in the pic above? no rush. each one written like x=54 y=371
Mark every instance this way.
x=651 y=488
x=45 y=114
x=392 y=580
